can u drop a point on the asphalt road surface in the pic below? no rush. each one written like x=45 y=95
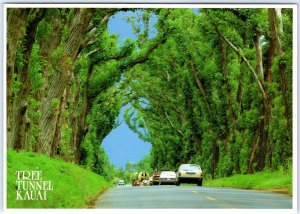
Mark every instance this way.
x=168 y=196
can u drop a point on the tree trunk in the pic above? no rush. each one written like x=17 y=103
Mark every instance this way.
x=229 y=95
x=56 y=144
x=199 y=85
x=276 y=31
x=259 y=64
x=253 y=155
x=276 y=27
x=61 y=121
x=58 y=82
x=196 y=136
x=266 y=112
x=48 y=46
x=198 y=141
x=19 y=119
x=270 y=59
x=239 y=95
x=74 y=119
x=83 y=113
x=15 y=28
x=215 y=158
x=263 y=135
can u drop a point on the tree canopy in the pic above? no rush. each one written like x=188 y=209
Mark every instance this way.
x=213 y=87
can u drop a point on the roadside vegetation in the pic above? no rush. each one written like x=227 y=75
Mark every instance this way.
x=73 y=186
x=278 y=181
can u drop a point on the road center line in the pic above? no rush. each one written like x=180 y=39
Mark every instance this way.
x=194 y=191
x=210 y=198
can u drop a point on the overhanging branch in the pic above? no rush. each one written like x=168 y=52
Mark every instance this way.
x=240 y=53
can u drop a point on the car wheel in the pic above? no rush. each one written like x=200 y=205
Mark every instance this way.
x=199 y=183
x=178 y=183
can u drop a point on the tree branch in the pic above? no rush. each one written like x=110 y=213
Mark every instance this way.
x=144 y=57
x=168 y=118
x=239 y=52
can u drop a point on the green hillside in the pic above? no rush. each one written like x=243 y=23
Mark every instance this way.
x=73 y=186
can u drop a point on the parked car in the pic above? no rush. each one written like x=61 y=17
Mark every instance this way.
x=145 y=183
x=156 y=175
x=150 y=180
x=167 y=177
x=134 y=178
x=189 y=173
x=121 y=182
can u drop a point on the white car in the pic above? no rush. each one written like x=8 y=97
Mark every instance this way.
x=167 y=177
x=151 y=180
x=189 y=173
x=121 y=182
x=145 y=183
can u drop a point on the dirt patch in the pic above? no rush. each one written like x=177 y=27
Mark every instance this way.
x=91 y=203
x=283 y=190
x=279 y=190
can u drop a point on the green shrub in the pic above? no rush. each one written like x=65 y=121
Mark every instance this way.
x=266 y=180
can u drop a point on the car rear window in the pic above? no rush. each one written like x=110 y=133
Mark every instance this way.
x=190 y=168
x=167 y=173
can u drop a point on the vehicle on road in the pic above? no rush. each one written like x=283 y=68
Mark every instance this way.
x=121 y=182
x=167 y=177
x=134 y=178
x=137 y=179
x=156 y=175
x=145 y=183
x=150 y=180
x=189 y=173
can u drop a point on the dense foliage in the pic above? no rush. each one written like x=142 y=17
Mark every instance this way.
x=218 y=92
x=212 y=87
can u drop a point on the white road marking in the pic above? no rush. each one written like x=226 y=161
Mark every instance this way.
x=194 y=191
x=210 y=198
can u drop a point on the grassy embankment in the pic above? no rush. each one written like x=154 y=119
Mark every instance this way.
x=280 y=181
x=73 y=186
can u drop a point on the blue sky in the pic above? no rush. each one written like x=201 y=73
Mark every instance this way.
x=122 y=144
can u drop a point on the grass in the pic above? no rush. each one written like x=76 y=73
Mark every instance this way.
x=280 y=181
x=73 y=186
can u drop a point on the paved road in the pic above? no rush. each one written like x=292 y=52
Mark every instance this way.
x=190 y=197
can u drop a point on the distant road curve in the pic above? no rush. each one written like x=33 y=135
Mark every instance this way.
x=191 y=197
